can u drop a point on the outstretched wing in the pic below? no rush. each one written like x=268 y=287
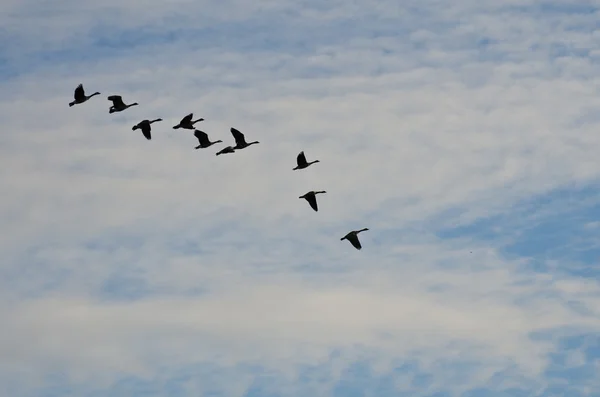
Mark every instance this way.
x=301 y=159
x=146 y=131
x=187 y=119
x=353 y=238
x=79 y=93
x=238 y=136
x=312 y=200
x=202 y=136
x=116 y=100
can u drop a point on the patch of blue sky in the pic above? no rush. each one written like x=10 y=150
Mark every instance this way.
x=270 y=33
x=20 y=276
x=125 y=287
x=552 y=8
x=550 y=227
x=565 y=8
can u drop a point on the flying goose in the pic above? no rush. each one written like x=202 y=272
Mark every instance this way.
x=187 y=122
x=353 y=238
x=118 y=104
x=312 y=199
x=225 y=150
x=203 y=140
x=144 y=125
x=301 y=160
x=79 y=96
x=240 y=140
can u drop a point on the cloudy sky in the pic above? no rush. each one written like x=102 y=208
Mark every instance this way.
x=465 y=135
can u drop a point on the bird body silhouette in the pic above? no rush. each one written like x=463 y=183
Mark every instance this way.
x=144 y=125
x=353 y=238
x=301 y=161
x=79 y=96
x=118 y=104
x=225 y=150
x=187 y=122
x=203 y=140
x=240 y=140
x=312 y=199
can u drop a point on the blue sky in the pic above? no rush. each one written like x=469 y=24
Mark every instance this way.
x=463 y=134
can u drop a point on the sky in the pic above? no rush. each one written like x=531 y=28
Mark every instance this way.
x=463 y=134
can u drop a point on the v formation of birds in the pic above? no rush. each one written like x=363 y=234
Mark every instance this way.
x=204 y=142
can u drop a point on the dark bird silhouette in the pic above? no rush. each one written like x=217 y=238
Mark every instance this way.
x=187 y=122
x=225 y=150
x=144 y=125
x=240 y=140
x=353 y=238
x=118 y=104
x=312 y=199
x=301 y=161
x=203 y=140
x=79 y=95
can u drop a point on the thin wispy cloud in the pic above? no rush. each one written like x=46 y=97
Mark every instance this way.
x=463 y=135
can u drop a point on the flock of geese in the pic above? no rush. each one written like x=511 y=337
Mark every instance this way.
x=204 y=142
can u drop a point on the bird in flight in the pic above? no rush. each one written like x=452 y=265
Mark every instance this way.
x=79 y=96
x=312 y=199
x=187 y=122
x=203 y=140
x=118 y=104
x=144 y=125
x=225 y=150
x=353 y=238
x=301 y=161
x=240 y=140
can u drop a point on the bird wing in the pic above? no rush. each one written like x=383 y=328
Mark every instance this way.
x=201 y=135
x=116 y=100
x=146 y=131
x=353 y=238
x=312 y=200
x=238 y=136
x=79 y=92
x=187 y=119
x=301 y=159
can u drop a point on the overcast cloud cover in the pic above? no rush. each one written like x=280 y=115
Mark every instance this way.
x=464 y=135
